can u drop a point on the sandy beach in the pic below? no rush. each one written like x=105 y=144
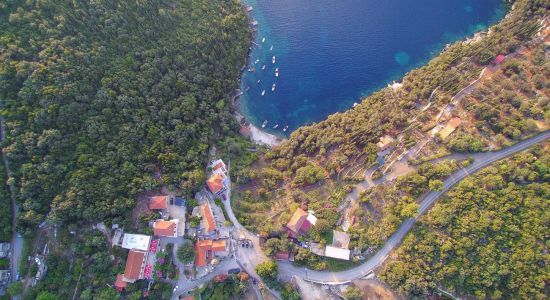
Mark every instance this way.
x=256 y=134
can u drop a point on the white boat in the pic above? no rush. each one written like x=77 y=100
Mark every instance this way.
x=258 y=82
x=263 y=92
x=264 y=123
x=276 y=72
x=286 y=128
x=256 y=61
x=263 y=67
x=273 y=59
x=251 y=69
x=247 y=88
x=263 y=40
x=276 y=125
x=271 y=49
x=273 y=88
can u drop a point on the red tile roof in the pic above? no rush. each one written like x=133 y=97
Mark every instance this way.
x=500 y=58
x=282 y=255
x=297 y=220
x=215 y=183
x=164 y=228
x=219 y=245
x=119 y=283
x=204 y=249
x=218 y=165
x=207 y=216
x=133 y=264
x=159 y=202
x=201 y=248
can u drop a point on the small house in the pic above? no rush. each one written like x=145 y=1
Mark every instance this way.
x=166 y=228
x=159 y=203
x=300 y=223
x=207 y=249
x=499 y=59
x=120 y=284
x=208 y=225
x=218 y=167
x=216 y=184
x=338 y=253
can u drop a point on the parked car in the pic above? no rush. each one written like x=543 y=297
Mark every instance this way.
x=233 y=271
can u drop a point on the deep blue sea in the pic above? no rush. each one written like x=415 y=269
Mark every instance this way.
x=330 y=53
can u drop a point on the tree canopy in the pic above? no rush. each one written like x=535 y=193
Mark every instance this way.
x=102 y=100
x=486 y=238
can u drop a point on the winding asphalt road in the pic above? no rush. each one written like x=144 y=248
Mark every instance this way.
x=248 y=258
x=326 y=277
x=17 y=239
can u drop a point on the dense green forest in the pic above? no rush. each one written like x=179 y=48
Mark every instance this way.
x=486 y=238
x=105 y=99
x=305 y=170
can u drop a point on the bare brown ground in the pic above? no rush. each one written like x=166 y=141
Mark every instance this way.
x=375 y=290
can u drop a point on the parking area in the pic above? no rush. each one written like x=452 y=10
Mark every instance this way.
x=178 y=212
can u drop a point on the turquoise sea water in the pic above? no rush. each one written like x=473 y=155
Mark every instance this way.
x=330 y=53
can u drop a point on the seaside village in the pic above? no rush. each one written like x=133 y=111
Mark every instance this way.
x=146 y=253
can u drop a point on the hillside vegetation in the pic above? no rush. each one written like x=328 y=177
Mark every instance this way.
x=486 y=238
x=101 y=101
x=105 y=99
x=307 y=169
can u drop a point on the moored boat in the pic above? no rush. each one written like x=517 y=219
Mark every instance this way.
x=263 y=92
x=286 y=128
x=276 y=125
x=264 y=124
x=276 y=72
x=273 y=59
x=273 y=88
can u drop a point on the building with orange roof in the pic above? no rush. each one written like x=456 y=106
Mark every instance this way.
x=166 y=228
x=300 y=223
x=218 y=166
x=135 y=265
x=219 y=246
x=159 y=202
x=207 y=224
x=215 y=183
x=207 y=249
x=120 y=284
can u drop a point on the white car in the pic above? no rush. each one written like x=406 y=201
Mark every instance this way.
x=175 y=288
